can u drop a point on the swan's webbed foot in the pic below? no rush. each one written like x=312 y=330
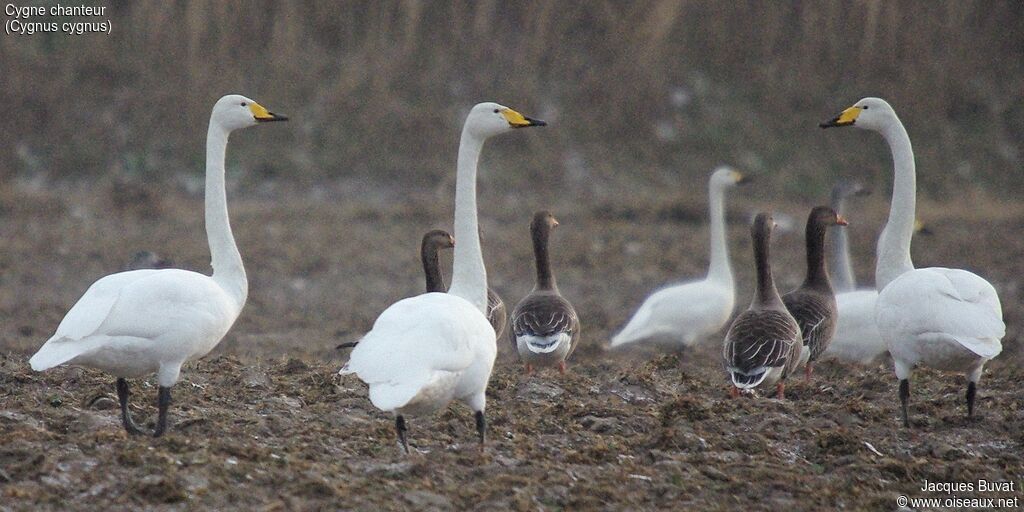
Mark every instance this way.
x=163 y=401
x=126 y=416
x=401 y=429
x=904 y=397
x=481 y=428
x=972 y=390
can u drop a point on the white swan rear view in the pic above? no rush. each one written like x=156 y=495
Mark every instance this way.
x=425 y=351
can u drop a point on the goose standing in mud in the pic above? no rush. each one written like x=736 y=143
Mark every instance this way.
x=813 y=304
x=763 y=343
x=545 y=328
x=135 y=323
x=425 y=351
x=684 y=313
x=947 y=319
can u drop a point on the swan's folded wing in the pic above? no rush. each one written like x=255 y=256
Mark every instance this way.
x=949 y=302
x=86 y=316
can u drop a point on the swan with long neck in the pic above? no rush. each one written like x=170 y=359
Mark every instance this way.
x=425 y=351
x=684 y=313
x=139 y=322
x=948 y=319
x=763 y=343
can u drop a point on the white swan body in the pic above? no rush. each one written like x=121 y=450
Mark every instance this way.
x=133 y=323
x=948 y=319
x=685 y=313
x=425 y=351
x=857 y=338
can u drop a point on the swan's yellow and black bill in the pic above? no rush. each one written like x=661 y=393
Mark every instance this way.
x=739 y=178
x=517 y=120
x=847 y=118
x=263 y=115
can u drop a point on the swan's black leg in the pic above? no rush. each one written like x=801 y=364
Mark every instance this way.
x=972 y=389
x=126 y=417
x=163 y=401
x=904 y=396
x=400 y=428
x=481 y=428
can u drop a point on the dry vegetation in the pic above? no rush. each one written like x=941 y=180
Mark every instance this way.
x=643 y=99
x=638 y=93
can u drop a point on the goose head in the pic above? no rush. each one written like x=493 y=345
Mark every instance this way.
x=823 y=216
x=762 y=227
x=439 y=238
x=543 y=222
x=868 y=113
x=726 y=177
x=490 y=119
x=235 y=111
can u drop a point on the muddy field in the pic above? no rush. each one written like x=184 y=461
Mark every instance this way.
x=266 y=423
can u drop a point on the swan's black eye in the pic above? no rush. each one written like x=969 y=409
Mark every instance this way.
x=865 y=107
x=495 y=111
x=244 y=103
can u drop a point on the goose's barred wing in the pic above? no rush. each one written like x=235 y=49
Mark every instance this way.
x=544 y=315
x=496 y=312
x=761 y=339
x=816 y=314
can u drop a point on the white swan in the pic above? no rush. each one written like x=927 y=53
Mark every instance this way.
x=425 y=351
x=139 y=322
x=948 y=319
x=857 y=338
x=684 y=313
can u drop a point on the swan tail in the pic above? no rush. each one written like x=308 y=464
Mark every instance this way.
x=58 y=351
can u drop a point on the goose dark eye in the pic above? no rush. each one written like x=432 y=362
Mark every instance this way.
x=495 y=111
x=244 y=103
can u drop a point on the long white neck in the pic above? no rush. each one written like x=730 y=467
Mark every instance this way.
x=469 y=277
x=840 y=267
x=228 y=271
x=894 y=243
x=719 y=269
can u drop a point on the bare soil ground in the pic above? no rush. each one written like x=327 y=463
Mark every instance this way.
x=265 y=422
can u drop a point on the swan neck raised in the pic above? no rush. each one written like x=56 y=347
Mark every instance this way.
x=545 y=279
x=766 y=295
x=719 y=269
x=432 y=268
x=228 y=271
x=843 y=279
x=894 y=242
x=469 y=277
